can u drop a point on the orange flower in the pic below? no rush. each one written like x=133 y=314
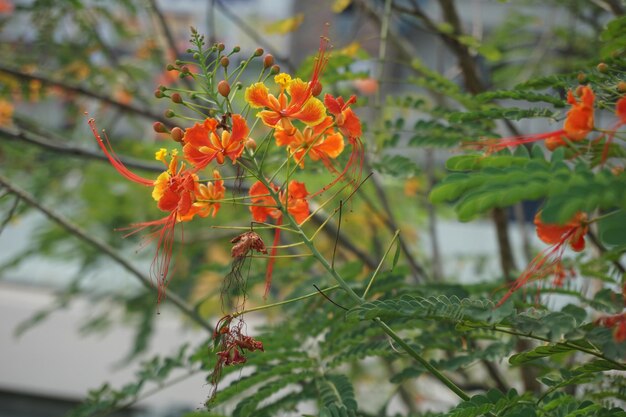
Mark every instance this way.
x=294 y=102
x=294 y=199
x=548 y=261
x=319 y=142
x=264 y=206
x=207 y=197
x=349 y=124
x=203 y=143
x=572 y=232
x=577 y=125
x=579 y=120
x=174 y=192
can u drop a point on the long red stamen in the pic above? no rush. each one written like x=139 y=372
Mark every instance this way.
x=545 y=259
x=357 y=153
x=320 y=61
x=106 y=147
x=163 y=230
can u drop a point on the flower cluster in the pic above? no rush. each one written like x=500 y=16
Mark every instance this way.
x=299 y=122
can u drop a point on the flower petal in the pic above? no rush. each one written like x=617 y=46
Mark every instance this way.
x=257 y=95
x=332 y=146
x=313 y=112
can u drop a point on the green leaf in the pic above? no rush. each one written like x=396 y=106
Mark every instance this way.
x=500 y=113
x=612 y=229
x=540 y=352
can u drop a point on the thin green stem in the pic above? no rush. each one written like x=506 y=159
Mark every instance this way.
x=604 y=216
x=574 y=346
x=434 y=371
x=281 y=303
x=380 y=264
x=344 y=285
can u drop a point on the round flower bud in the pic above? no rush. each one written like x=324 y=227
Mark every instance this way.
x=258 y=52
x=185 y=69
x=220 y=46
x=223 y=88
x=316 y=89
x=176 y=98
x=159 y=127
x=275 y=69
x=170 y=67
x=169 y=113
x=237 y=48
x=224 y=61
x=158 y=93
x=268 y=61
x=582 y=77
x=602 y=67
x=177 y=134
x=621 y=86
x=196 y=56
x=579 y=91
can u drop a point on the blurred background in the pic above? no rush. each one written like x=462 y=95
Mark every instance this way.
x=71 y=317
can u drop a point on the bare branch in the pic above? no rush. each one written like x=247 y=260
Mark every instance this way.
x=87 y=93
x=105 y=249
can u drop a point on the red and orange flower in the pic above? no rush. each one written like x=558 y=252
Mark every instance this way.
x=294 y=199
x=207 y=198
x=294 y=102
x=319 y=142
x=548 y=261
x=579 y=122
x=212 y=140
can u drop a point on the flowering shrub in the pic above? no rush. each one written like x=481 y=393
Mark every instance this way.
x=257 y=203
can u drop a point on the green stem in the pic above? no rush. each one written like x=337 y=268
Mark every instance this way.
x=545 y=339
x=434 y=371
x=604 y=216
x=380 y=264
x=344 y=285
x=281 y=303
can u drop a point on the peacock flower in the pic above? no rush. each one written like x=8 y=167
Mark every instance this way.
x=549 y=261
x=212 y=140
x=174 y=192
x=264 y=206
x=350 y=126
x=573 y=232
x=207 y=198
x=347 y=122
x=294 y=102
x=320 y=142
x=578 y=123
